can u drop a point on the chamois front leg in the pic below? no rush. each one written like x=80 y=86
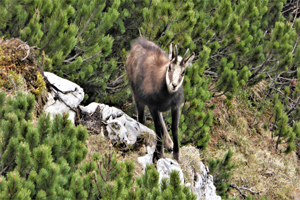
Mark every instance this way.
x=158 y=123
x=140 y=108
x=175 y=123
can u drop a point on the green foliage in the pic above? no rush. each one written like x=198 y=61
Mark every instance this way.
x=36 y=160
x=167 y=21
x=106 y=178
x=112 y=176
x=73 y=35
x=194 y=121
x=283 y=131
x=241 y=52
x=222 y=172
x=149 y=188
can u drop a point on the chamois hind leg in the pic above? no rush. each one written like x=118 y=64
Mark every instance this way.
x=168 y=143
x=175 y=123
x=158 y=123
x=140 y=108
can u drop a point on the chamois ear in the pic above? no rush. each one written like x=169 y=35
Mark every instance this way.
x=188 y=61
x=171 y=52
x=176 y=54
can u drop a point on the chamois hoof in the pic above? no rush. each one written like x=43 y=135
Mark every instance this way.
x=157 y=156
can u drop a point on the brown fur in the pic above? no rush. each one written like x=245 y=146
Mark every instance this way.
x=147 y=57
x=146 y=67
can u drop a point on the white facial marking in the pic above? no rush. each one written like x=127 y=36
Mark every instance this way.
x=168 y=81
x=180 y=82
x=176 y=82
x=176 y=74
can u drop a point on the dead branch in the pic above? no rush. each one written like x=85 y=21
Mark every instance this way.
x=26 y=48
x=116 y=82
x=239 y=189
x=93 y=56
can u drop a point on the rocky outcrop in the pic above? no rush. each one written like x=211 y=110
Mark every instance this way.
x=204 y=185
x=119 y=127
x=114 y=124
x=65 y=96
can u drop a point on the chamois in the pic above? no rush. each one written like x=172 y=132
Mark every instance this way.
x=156 y=81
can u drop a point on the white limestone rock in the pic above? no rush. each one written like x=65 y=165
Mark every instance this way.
x=65 y=96
x=165 y=166
x=204 y=185
x=120 y=127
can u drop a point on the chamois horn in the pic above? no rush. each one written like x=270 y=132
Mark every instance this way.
x=184 y=56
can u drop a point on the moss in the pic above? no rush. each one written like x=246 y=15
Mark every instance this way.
x=41 y=84
x=13 y=82
x=17 y=60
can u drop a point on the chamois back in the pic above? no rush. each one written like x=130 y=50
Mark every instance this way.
x=146 y=66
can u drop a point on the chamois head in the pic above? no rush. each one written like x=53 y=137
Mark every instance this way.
x=176 y=68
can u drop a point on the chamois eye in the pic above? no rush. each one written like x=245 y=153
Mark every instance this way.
x=183 y=73
x=169 y=68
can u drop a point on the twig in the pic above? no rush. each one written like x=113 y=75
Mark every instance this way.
x=140 y=32
x=244 y=196
x=294 y=106
x=297 y=8
x=3 y=170
x=99 y=164
x=114 y=88
x=295 y=44
x=214 y=94
x=282 y=94
x=87 y=23
x=27 y=48
x=211 y=73
x=95 y=177
x=116 y=82
x=238 y=189
x=93 y=56
x=72 y=58
x=168 y=27
x=250 y=190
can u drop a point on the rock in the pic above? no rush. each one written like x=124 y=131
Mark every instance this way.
x=122 y=128
x=204 y=185
x=65 y=96
x=165 y=166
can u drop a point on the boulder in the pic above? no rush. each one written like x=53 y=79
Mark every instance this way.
x=65 y=96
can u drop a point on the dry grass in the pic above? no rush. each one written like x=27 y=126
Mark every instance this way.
x=259 y=164
x=97 y=143
x=190 y=162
